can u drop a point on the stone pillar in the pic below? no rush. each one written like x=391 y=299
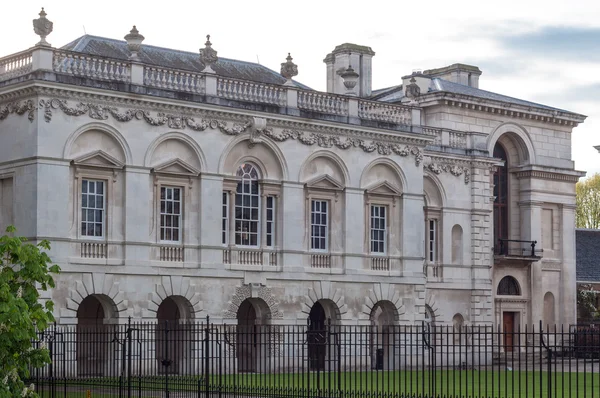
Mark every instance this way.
x=211 y=202
x=568 y=292
x=413 y=234
x=294 y=227
x=140 y=221
x=531 y=230
x=355 y=228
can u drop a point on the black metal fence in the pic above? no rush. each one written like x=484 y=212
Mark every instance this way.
x=333 y=361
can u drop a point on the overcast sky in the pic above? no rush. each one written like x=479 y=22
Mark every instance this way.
x=543 y=51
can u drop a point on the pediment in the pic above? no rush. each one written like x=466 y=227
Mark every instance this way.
x=383 y=188
x=325 y=182
x=98 y=159
x=176 y=167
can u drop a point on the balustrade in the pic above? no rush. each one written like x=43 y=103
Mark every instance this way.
x=250 y=257
x=320 y=260
x=323 y=102
x=458 y=140
x=15 y=65
x=380 y=263
x=252 y=92
x=94 y=250
x=171 y=79
x=373 y=110
x=171 y=253
x=435 y=133
x=78 y=64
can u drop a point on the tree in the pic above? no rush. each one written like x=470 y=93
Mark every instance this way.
x=586 y=302
x=588 y=203
x=25 y=270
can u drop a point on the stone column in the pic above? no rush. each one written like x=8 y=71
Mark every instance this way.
x=531 y=230
x=413 y=234
x=355 y=228
x=140 y=217
x=568 y=293
x=293 y=230
x=211 y=202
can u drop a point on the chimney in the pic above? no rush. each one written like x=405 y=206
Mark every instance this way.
x=344 y=56
x=466 y=75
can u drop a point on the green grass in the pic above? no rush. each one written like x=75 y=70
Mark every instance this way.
x=448 y=383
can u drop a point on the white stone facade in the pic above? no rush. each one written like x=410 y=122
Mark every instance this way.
x=429 y=165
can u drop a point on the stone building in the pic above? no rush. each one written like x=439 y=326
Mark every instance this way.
x=176 y=185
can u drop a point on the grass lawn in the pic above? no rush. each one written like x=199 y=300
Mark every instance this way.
x=448 y=383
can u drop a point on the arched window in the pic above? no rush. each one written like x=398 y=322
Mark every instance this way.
x=501 y=196
x=509 y=286
x=247 y=206
x=429 y=316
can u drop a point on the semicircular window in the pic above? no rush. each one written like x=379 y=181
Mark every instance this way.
x=509 y=286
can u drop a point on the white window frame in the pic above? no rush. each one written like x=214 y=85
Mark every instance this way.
x=258 y=220
x=225 y=218
x=94 y=194
x=327 y=224
x=432 y=249
x=385 y=219
x=270 y=221
x=161 y=213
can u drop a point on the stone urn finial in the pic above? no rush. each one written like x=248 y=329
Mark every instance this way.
x=413 y=90
x=134 y=43
x=208 y=56
x=350 y=79
x=42 y=27
x=289 y=70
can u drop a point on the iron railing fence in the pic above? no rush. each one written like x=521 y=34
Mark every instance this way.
x=184 y=359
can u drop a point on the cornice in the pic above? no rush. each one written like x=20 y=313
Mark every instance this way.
x=457 y=166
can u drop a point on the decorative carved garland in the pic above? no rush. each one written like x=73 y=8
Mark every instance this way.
x=18 y=108
x=174 y=121
x=457 y=171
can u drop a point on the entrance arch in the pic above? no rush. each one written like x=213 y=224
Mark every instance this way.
x=383 y=318
x=94 y=348
x=324 y=315
x=172 y=341
x=253 y=316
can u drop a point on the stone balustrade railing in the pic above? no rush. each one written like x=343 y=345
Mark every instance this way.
x=78 y=64
x=171 y=253
x=380 y=263
x=320 y=261
x=101 y=68
x=94 y=250
x=15 y=65
x=449 y=138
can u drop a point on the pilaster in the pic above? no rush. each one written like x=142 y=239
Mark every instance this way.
x=568 y=292
x=413 y=234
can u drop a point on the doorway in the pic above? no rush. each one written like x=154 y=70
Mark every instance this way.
x=317 y=337
x=508 y=327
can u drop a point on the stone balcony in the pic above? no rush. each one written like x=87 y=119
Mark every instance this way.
x=512 y=250
x=79 y=69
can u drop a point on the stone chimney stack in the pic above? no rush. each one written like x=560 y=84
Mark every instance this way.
x=338 y=61
x=466 y=75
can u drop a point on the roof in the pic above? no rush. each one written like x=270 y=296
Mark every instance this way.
x=587 y=251
x=176 y=59
x=438 y=84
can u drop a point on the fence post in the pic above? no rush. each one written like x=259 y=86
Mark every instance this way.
x=206 y=357
x=166 y=361
x=546 y=345
x=129 y=345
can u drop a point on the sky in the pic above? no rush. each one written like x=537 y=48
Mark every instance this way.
x=542 y=51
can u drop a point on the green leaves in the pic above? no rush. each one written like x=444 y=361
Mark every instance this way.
x=588 y=203
x=24 y=270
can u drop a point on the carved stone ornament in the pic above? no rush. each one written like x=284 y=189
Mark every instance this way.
x=208 y=56
x=413 y=90
x=253 y=291
x=258 y=126
x=455 y=170
x=42 y=27
x=350 y=79
x=18 y=108
x=134 y=43
x=289 y=69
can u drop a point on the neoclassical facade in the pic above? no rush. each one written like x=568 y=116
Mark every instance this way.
x=175 y=185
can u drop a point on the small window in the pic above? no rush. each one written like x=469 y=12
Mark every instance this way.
x=509 y=286
x=270 y=221
x=318 y=224
x=432 y=241
x=92 y=208
x=170 y=214
x=225 y=219
x=378 y=229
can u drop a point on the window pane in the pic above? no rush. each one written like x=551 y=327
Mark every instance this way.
x=176 y=193
x=84 y=186
x=99 y=187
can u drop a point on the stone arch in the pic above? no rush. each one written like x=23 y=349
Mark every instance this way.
x=435 y=195
x=458 y=321
x=508 y=286
x=106 y=311
x=431 y=305
x=519 y=137
x=383 y=169
x=324 y=163
x=383 y=293
x=325 y=292
x=175 y=145
x=265 y=155
x=102 y=286
x=96 y=136
x=254 y=292
x=549 y=314
x=185 y=293
x=457 y=244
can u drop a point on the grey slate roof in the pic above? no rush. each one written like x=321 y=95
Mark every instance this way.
x=587 y=250
x=168 y=58
x=438 y=84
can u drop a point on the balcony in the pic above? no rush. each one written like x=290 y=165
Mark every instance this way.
x=516 y=250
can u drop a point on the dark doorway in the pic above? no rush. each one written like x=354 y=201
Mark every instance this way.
x=92 y=338
x=508 y=323
x=247 y=338
x=169 y=337
x=317 y=337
